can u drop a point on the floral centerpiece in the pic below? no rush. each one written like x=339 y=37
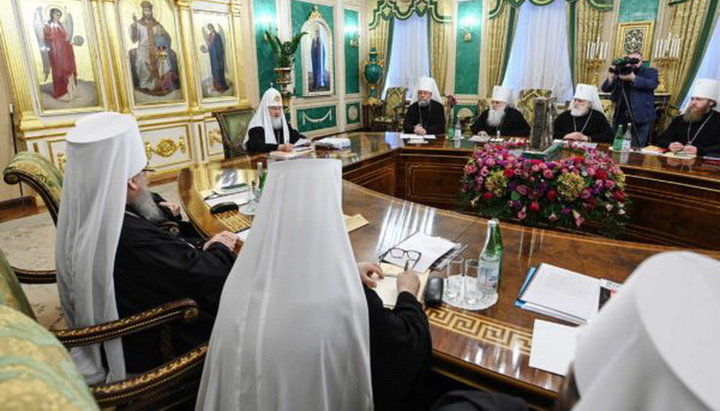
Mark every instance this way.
x=588 y=186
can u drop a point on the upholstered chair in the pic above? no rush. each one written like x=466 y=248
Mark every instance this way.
x=393 y=109
x=42 y=176
x=174 y=381
x=233 y=126
x=526 y=101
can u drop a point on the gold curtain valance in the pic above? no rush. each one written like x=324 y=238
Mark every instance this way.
x=498 y=5
x=404 y=9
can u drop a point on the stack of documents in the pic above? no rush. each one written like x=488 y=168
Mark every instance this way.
x=338 y=143
x=553 y=346
x=430 y=249
x=563 y=294
x=285 y=155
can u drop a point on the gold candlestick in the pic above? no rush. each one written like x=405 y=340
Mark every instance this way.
x=592 y=70
x=664 y=65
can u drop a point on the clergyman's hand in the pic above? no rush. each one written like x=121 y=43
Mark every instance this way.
x=574 y=136
x=419 y=130
x=367 y=270
x=225 y=238
x=675 y=147
x=408 y=281
x=286 y=147
x=690 y=149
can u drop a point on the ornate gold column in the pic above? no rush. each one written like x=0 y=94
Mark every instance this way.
x=188 y=52
x=497 y=28
x=588 y=27
x=18 y=73
x=687 y=21
x=118 y=57
x=440 y=35
x=105 y=56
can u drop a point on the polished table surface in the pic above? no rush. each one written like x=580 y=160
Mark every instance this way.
x=487 y=349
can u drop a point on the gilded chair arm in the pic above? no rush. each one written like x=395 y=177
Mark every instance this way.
x=168 y=376
x=35 y=276
x=184 y=309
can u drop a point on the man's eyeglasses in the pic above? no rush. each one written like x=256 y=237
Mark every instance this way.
x=412 y=256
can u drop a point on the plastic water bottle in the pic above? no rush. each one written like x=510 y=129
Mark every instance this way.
x=458 y=130
x=490 y=262
x=627 y=139
x=618 y=141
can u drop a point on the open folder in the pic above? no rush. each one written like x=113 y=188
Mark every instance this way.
x=431 y=248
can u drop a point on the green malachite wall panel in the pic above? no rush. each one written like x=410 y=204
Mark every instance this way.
x=352 y=54
x=316 y=118
x=467 y=58
x=638 y=10
x=264 y=12
x=299 y=12
x=352 y=113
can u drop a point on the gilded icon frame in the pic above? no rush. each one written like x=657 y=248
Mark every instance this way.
x=627 y=33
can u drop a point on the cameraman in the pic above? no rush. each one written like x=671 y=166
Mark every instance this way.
x=632 y=90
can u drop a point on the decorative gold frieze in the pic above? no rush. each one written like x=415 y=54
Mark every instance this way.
x=214 y=136
x=165 y=148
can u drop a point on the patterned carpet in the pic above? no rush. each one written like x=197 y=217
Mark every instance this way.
x=29 y=243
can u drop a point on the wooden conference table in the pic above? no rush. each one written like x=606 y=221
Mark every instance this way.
x=487 y=349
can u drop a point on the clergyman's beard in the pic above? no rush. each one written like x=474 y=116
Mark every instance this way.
x=579 y=112
x=146 y=206
x=423 y=103
x=693 y=116
x=276 y=122
x=495 y=117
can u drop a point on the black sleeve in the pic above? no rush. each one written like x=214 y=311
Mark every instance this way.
x=671 y=135
x=560 y=127
x=608 y=86
x=436 y=123
x=412 y=118
x=294 y=134
x=256 y=141
x=152 y=262
x=518 y=127
x=481 y=123
x=602 y=132
x=400 y=350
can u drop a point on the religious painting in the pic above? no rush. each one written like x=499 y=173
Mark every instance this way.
x=635 y=36
x=317 y=56
x=61 y=53
x=152 y=49
x=214 y=51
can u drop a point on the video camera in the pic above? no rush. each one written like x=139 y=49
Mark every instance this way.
x=624 y=65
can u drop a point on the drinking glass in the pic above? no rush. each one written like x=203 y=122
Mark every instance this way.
x=470 y=293
x=453 y=280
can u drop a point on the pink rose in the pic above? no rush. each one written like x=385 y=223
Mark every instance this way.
x=585 y=193
x=490 y=162
x=470 y=169
x=484 y=172
x=522 y=214
x=548 y=174
x=521 y=189
x=535 y=168
x=552 y=217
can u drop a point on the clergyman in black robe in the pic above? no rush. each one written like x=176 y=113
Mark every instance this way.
x=430 y=117
x=512 y=124
x=155 y=265
x=695 y=132
x=256 y=139
x=594 y=125
x=400 y=348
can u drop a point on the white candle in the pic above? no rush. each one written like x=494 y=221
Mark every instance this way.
x=657 y=47
x=587 y=51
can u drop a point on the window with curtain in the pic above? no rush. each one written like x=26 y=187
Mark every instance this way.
x=409 y=53
x=539 y=57
x=710 y=65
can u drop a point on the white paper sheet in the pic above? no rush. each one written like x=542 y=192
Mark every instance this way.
x=553 y=346
x=565 y=291
x=387 y=287
x=431 y=248
x=406 y=136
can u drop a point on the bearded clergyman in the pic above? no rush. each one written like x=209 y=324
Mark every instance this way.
x=426 y=114
x=585 y=120
x=269 y=130
x=697 y=130
x=501 y=118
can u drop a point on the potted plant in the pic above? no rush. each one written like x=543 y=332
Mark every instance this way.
x=284 y=55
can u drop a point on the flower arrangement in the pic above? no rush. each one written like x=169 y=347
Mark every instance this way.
x=586 y=187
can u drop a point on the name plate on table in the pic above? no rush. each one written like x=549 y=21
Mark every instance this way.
x=407 y=136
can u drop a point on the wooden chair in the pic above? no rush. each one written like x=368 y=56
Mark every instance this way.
x=608 y=108
x=233 y=125
x=526 y=102
x=47 y=180
x=393 y=109
x=171 y=383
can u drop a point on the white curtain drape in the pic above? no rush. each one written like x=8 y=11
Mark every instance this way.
x=410 y=54
x=710 y=65
x=539 y=57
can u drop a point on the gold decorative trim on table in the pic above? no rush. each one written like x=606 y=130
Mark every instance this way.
x=481 y=329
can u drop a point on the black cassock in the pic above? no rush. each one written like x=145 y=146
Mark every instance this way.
x=593 y=125
x=512 y=125
x=400 y=351
x=432 y=118
x=256 y=139
x=707 y=140
x=153 y=267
